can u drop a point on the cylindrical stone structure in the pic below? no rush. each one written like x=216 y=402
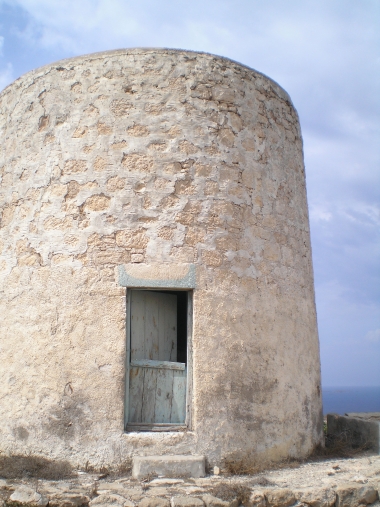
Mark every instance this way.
x=156 y=280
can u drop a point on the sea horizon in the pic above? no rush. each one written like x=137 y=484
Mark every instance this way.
x=345 y=399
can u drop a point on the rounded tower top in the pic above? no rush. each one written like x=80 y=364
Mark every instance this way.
x=146 y=50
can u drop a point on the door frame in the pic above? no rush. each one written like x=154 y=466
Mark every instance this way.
x=130 y=427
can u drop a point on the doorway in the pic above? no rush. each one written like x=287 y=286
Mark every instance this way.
x=158 y=354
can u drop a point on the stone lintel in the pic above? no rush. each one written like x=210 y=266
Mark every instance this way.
x=166 y=276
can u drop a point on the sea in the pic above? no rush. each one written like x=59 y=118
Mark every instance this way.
x=340 y=400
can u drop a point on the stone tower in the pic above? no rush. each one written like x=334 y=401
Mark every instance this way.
x=155 y=273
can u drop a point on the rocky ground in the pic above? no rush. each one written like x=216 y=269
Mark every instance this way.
x=329 y=483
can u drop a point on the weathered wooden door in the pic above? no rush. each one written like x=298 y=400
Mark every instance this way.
x=157 y=382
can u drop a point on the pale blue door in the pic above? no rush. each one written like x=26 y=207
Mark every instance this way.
x=157 y=382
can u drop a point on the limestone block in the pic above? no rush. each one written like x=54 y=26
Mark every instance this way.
x=186 y=501
x=105 y=486
x=168 y=466
x=352 y=495
x=213 y=501
x=362 y=429
x=257 y=499
x=154 y=502
x=110 y=499
x=280 y=497
x=24 y=495
x=323 y=497
x=68 y=499
x=165 y=481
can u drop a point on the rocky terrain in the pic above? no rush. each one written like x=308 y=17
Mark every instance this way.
x=351 y=482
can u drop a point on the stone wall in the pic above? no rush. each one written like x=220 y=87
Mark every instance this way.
x=157 y=157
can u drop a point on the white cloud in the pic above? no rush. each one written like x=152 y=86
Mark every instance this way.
x=319 y=213
x=77 y=27
x=363 y=214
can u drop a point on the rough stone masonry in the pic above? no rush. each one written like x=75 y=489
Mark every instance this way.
x=154 y=168
x=327 y=483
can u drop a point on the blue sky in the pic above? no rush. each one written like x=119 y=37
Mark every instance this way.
x=326 y=54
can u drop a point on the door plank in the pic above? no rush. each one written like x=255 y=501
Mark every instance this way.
x=178 y=413
x=168 y=327
x=136 y=382
x=168 y=365
x=164 y=395
x=149 y=395
x=156 y=427
x=137 y=325
x=151 y=326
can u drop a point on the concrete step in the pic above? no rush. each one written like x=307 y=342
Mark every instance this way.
x=168 y=466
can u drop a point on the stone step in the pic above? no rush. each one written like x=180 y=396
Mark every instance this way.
x=168 y=466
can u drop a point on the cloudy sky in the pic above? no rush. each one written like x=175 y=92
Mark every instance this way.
x=326 y=54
